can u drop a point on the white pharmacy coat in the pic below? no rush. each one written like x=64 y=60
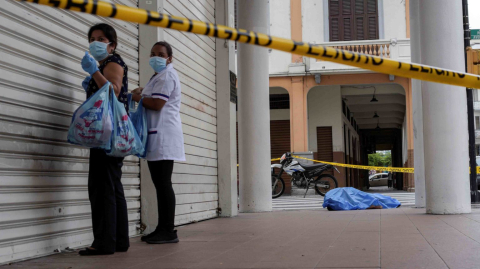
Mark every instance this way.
x=165 y=135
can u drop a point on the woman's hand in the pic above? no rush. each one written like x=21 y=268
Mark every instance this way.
x=89 y=64
x=138 y=90
x=136 y=96
x=85 y=82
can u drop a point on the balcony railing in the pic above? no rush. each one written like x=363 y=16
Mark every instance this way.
x=376 y=49
x=394 y=49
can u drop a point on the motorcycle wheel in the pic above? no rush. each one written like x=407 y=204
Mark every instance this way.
x=278 y=187
x=325 y=178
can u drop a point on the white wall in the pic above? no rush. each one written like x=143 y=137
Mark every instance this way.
x=395 y=24
x=324 y=106
x=312 y=21
x=280 y=26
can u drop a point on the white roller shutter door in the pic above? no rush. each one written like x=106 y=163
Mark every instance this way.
x=196 y=181
x=43 y=180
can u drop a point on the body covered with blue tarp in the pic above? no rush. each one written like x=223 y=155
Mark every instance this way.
x=352 y=199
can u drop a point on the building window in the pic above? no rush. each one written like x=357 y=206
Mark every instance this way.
x=477 y=122
x=279 y=101
x=353 y=20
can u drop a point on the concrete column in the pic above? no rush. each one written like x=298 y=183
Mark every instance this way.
x=147 y=37
x=447 y=184
x=418 y=152
x=296 y=26
x=298 y=115
x=409 y=178
x=254 y=111
x=226 y=115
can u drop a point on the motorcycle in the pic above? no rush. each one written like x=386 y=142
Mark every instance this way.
x=302 y=176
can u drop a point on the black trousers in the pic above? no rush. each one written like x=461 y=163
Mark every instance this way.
x=161 y=172
x=109 y=208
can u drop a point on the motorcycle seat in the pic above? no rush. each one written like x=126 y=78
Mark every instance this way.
x=309 y=167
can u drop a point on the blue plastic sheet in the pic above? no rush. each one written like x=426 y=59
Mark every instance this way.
x=352 y=199
x=91 y=124
x=125 y=140
x=138 y=116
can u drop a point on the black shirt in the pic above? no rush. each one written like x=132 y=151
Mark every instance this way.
x=122 y=97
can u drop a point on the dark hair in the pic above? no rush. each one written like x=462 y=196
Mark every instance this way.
x=167 y=46
x=108 y=31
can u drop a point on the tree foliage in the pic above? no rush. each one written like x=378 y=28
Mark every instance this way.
x=380 y=159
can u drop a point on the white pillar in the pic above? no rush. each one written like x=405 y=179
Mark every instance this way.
x=445 y=129
x=254 y=111
x=418 y=152
x=226 y=115
x=147 y=37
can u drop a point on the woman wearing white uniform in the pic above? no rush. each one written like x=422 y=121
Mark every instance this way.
x=161 y=98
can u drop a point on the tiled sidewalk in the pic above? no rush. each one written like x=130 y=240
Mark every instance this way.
x=395 y=238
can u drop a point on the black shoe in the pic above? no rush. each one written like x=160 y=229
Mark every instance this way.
x=93 y=252
x=121 y=249
x=164 y=238
x=150 y=235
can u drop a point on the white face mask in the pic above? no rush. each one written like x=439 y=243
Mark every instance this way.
x=98 y=50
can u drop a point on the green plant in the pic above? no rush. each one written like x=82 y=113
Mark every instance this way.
x=383 y=159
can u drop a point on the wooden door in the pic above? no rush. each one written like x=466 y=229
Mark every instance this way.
x=325 y=145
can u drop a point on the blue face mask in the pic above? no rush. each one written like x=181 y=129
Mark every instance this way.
x=98 y=50
x=158 y=63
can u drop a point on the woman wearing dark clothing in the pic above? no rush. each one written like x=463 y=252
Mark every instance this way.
x=162 y=99
x=105 y=190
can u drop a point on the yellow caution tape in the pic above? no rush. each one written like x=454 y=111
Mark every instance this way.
x=407 y=170
x=374 y=63
x=364 y=167
x=478 y=170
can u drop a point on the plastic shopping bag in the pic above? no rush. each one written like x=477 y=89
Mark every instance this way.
x=91 y=124
x=125 y=140
x=138 y=116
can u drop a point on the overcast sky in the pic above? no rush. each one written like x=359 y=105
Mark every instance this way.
x=474 y=13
